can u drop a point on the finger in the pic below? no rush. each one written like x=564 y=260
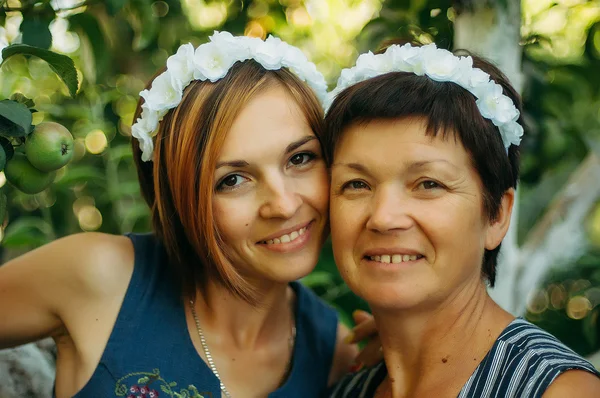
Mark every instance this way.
x=371 y=354
x=361 y=316
x=364 y=330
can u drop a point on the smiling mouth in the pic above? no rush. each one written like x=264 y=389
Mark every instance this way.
x=394 y=258
x=286 y=238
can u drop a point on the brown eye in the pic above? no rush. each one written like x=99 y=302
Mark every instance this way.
x=230 y=182
x=300 y=159
x=430 y=184
x=355 y=185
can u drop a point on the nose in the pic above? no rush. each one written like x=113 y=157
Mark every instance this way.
x=389 y=211
x=280 y=199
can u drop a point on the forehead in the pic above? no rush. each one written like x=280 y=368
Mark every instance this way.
x=406 y=140
x=270 y=121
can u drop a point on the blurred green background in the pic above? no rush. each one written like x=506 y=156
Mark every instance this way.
x=117 y=45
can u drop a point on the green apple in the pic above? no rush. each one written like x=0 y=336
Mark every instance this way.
x=20 y=173
x=49 y=147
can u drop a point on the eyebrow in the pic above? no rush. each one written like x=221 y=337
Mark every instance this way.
x=297 y=144
x=425 y=163
x=290 y=148
x=354 y=166
x=411 y=168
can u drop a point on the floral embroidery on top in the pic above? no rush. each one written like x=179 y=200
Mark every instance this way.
x=152 y=385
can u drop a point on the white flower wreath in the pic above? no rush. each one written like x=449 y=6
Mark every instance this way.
x=211 y=61
x=443 y=66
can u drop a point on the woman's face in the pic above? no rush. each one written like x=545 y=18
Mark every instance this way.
x=272 y=188
x=407 y=220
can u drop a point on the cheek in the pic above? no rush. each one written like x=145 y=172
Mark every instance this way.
x=346 y=228
x=233 y=219
x=316 y=189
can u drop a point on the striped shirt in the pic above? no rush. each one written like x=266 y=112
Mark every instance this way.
x=523 y=362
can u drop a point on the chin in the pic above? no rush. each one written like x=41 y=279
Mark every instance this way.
x=390 y=295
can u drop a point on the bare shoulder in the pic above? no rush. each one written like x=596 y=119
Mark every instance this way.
x=81 y=260
x=344 y=355
x=43 y=291
x=574 y=383
x=98 y=257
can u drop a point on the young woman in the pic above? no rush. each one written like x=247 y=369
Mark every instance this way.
x=228 y=152
x=425 y=154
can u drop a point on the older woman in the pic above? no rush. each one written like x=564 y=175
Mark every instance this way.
x=425 y=164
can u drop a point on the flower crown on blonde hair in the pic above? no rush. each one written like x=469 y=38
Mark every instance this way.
x=212 y=61
x=442 y=66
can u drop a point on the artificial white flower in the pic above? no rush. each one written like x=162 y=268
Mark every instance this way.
x=269 y=53
x=181 y=66
x=163 y=95
x=212 y=62
x=440 y=65
x=367 y=66
x=412 y=56
x=144 y=140
x=443 y=66
x=240 y=46
x=511 y=133
x=347 y=77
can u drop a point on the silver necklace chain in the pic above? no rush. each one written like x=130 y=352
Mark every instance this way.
x=209 y=357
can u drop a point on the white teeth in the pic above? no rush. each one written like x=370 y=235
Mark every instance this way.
x=394 y=258
x=287 y=237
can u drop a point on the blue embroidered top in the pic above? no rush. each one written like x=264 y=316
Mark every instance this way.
x=150 y=352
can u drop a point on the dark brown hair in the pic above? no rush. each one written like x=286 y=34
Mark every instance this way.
x=179 y=184
x=450 y=110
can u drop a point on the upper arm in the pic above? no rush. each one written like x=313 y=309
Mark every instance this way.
x=574 y=383
x=39 y=289
x=343 y=356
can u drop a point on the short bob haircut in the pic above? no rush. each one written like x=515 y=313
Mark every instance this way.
x=450 y=110
x=178 y=185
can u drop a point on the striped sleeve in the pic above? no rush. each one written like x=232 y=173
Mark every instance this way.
x=523 y=363
x=361 y=384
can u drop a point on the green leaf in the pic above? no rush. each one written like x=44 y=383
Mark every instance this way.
x=62 y=65
x=144 y=23
x=36 y=32
x=88 y=25
x=15 y=119
x=21 y=99
x=81 y=174
x=27 y=232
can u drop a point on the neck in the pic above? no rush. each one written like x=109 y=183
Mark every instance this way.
x=246 y=325
x=421 y=346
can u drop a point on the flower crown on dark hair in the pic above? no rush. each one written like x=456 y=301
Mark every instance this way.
x=442 y=66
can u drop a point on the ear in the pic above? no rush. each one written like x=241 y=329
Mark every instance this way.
x=498 y=228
